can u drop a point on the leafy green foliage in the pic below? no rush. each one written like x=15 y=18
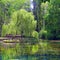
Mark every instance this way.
x=4 y=30
x=52 y=20
x=43 y=34
x=7 y=7
x=16 y=21
x=44 y=13
x=1 y=15
x=22 y=22
x=35 y=34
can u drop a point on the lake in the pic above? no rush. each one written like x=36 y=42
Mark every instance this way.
x=26 y=51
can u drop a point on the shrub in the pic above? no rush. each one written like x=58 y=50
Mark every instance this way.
x=35 y=34
x=43 y=34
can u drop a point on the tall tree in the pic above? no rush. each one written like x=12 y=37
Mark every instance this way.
x=1 y=15
x=22 y=22
x=37 y=13
x=44 y=12
x=7 y=7
x=53 y=20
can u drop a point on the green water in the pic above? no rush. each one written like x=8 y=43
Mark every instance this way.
x=39 y=51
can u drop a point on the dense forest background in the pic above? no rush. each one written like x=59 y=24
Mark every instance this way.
x=40 y=20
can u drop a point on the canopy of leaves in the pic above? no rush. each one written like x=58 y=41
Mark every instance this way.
x=22 y=22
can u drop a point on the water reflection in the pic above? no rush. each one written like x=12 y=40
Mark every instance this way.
x=27 y=51
x=40 y=57
x=0 y=57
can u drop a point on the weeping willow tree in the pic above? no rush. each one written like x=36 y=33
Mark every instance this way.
x=7 y=7
x=22 y=22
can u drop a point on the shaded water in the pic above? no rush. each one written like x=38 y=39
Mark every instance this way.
x=40 y=57
x=28 y=52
